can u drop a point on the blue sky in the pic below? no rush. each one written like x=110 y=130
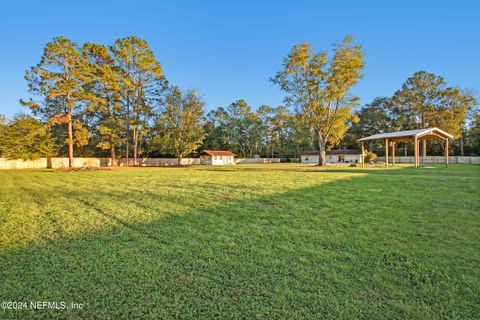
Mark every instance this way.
x=228 y=49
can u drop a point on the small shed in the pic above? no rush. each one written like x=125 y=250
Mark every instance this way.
x=217 y=157
x=391 y=139
x=333 y=156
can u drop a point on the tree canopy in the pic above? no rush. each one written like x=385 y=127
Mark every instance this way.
x=179 y=128
x=425 y=101
x=25 y=137
x=114 y=100
x=319 y=88
x=59 y=80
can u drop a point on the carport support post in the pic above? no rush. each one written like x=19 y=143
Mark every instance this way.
x=386 y=152
x=363 y=155
x=446 y=153
x=393 y=153
x=416 y=152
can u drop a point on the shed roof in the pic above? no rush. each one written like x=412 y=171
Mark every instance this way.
x=331 y=152
x=217 y=153
x=408 y=134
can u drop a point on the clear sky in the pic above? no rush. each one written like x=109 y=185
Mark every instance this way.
x=228 y=49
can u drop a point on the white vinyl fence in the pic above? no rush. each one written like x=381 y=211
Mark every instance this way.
x=161 y=162
x=104 y=162
x=52 y=163
x=21 y=164
x=432 y=159
x=256 y=160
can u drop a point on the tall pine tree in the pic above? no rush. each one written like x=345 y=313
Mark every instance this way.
x=59 y=79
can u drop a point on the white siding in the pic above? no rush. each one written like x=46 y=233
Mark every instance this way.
x=205 y=159
x=310 y=159
x=333 y=158
x=218 y=160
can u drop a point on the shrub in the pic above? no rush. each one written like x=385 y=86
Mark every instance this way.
x=370 y=156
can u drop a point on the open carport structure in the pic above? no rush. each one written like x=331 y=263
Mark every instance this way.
x=391 y=138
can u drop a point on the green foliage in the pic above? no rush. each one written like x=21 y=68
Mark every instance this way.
x=105 y=101
x=110 y=97
x=320 y=89
x=59 y=79
x=373 y=118
x=141 y=85
x=425 y=101
x=236 y=128
x=369 y=156
x=215 y=134
x=267 y=131
x=276 y=242
x=472 y=134
x=108 y=92
x=179 y=130
x=243 y=128
x=276 y=129
x=25 y=138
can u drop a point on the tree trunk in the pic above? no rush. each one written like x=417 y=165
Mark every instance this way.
x=70 y=141
x=461 y=145
x=322 y=161
x=179 y=159
x=128 y=131
x=135 y=145
x=322 y=155
x=424 y=148
x=405 y=148
x=126 y=149
x=112 y=152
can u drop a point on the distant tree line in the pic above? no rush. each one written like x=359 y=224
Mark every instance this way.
x=424 y=101
x=114 y=101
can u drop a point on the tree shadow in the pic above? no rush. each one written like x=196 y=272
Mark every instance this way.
x=370 y=170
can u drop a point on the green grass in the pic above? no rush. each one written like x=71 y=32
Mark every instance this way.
x=253 y=241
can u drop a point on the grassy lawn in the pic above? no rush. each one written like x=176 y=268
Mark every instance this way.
x=252 y=241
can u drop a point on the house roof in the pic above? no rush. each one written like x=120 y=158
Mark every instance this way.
x=331 y=152
x=409 y=134
x=217 y=153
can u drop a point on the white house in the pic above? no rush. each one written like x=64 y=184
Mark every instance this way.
x=213 y=157
x=333 y=156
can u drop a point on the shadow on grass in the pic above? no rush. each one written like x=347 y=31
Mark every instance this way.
x=430 y=170
x=338 y=250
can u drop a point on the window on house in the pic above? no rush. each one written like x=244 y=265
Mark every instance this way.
x=306 y=158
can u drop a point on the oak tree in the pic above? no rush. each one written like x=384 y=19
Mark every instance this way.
x=25 y=138
x=426 y=101
x=180 y=125
x=319 y=88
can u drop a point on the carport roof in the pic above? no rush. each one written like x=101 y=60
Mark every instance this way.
x=409 y=134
